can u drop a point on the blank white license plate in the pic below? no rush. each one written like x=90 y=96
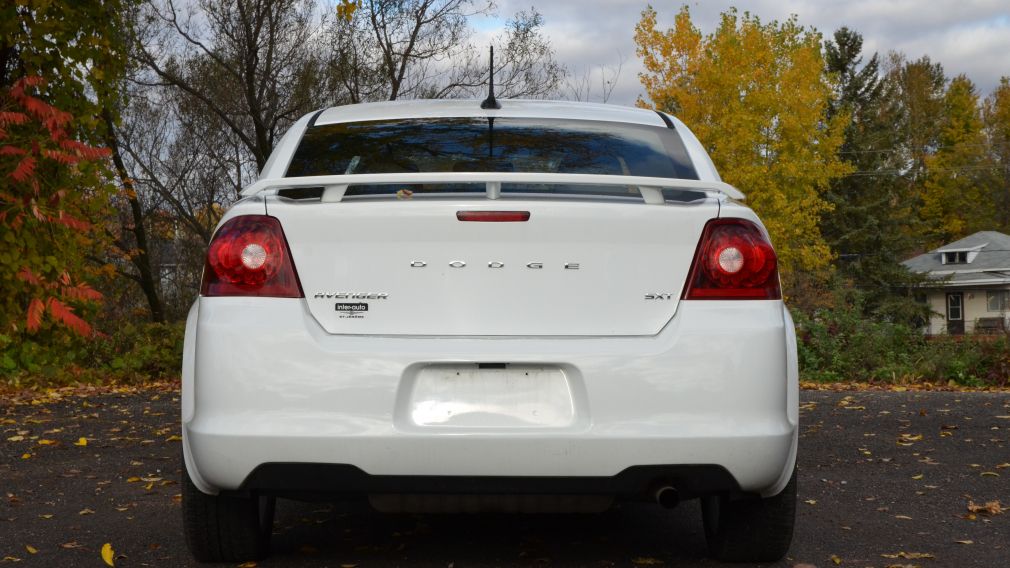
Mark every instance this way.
x=517 y=396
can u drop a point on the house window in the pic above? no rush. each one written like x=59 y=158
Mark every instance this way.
x=998 y=300
x=958 y=257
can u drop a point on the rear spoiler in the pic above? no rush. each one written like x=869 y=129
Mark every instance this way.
x=335 y=186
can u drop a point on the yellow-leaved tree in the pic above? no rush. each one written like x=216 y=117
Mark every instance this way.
x=954 y=196
x=756 y=95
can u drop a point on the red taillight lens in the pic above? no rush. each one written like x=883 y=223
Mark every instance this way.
x=734 y=261
x=249 y=256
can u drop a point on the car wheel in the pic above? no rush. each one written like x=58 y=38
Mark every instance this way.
x=226 y=528
x=750 y=530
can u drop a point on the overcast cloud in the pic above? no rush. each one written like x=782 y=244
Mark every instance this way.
x=966 y=36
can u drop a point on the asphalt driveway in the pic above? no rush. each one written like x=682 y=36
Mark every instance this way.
x=886 y=479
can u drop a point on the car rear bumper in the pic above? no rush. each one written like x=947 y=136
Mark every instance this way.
x=263 y=384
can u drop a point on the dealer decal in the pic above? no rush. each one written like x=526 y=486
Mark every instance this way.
x=352 y=310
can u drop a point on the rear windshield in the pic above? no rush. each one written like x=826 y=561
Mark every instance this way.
x=491 y=145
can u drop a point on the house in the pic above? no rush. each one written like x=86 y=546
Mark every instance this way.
x=972 y=290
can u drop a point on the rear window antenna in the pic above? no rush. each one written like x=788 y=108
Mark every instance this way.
x=490 y=101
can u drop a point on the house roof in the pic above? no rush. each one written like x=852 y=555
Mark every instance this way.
x=991 y=264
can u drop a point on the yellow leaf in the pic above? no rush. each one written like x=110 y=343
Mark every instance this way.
x=133 y=479
x=81 y=442
x=31 y=549
x=1003 y=465
x=45 y=516
x=247 y=565
x=108 y=555
x=646 y=561
x=86 y=512
x=173 y=439
x=25 y=456
x=811 y=501
x=836 y=559
x=15 y=439
x=917 y=476
x=10 y=559
x=903 y=517
x=990 y=473
x=909 y=555
x=45 y=442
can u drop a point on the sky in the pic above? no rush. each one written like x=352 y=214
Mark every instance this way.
x=966 y=36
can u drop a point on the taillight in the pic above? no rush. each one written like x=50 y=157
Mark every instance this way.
x=734 y=261
x=249 y=256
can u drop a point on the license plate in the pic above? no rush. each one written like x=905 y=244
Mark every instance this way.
x=468 y=396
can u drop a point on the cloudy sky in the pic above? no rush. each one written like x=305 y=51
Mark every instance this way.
x=966 y=36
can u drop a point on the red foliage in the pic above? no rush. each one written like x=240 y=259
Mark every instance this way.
x=25 y=169
x=7 y=117
x=35 y=309
x=12 y=151
x=65 y=315
x=35 y=140
x=26 y=275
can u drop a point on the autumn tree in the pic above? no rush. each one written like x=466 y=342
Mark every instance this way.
x=997 y=132
x=954 y=200
x=756 y=96
x=53 y=193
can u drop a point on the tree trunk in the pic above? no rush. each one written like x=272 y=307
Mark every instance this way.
x=142 y=260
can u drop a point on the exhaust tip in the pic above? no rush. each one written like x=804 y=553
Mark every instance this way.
x=667 y=496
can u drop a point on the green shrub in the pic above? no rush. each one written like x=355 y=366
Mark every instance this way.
x=840 y=343
x=133 y=352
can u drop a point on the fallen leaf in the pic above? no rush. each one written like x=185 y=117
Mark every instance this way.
x=909 y=555
x=25 y=456
x=990 y=508
x=646 y=561
x=31 y=549
x=86 y=512
x=989 y=474
x=348 y=565
x=811 y=501
x=81 y=442
x=133 y=480
x=836 y=559
x=71 y=544
x=247 y=565
x=16 y=439
x=45 y=516
x=965 y=541
x=173 y=439
x=10 y=559
x=903 y=517
x=44 y=442
x=108 y=554
x=917 y=476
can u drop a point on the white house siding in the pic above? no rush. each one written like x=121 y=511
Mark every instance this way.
x=975 y=306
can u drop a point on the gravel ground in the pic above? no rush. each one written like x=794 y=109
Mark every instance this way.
x=886 y=479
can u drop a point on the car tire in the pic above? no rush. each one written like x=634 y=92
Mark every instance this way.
x=750 y=529
x=226 y=528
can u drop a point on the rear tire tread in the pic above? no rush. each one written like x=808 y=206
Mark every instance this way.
x=751 y=530
x=224 y=528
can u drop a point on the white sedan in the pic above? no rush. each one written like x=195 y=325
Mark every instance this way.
x=545 y=307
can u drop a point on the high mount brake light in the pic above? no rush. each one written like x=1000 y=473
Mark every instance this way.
x=249 y=256
x=494 y=216
x=734 y=261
